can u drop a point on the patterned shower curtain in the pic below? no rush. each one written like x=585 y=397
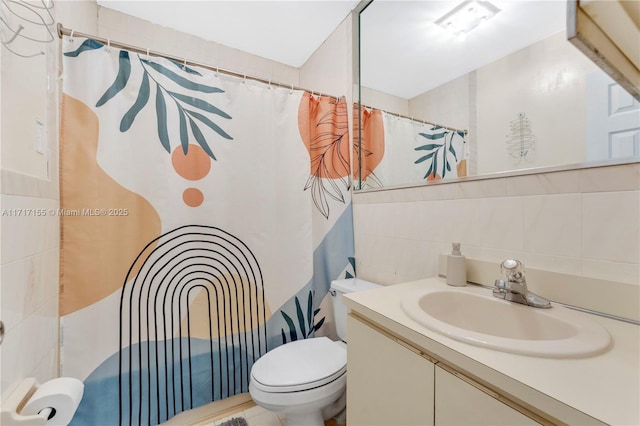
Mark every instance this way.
x=203 y=218
x=393 y=150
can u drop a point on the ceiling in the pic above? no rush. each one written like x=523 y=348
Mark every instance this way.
x=404 y=53
x=284 y=31
x=401 y=39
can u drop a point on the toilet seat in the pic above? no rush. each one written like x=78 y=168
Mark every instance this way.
x=300 y=365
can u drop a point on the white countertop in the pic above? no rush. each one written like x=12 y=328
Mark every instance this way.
x=603 y=388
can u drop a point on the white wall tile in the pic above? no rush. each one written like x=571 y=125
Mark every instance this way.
x=613 y=178
x=553 y=263
x=485 y=188
x=448 y=191
x=552 y=224
x=611 y=226
x=435 y=221
x=614 y=271
x=427 y=192
x=457 y=222
x=496 y=223
x=27 y=345
x=47 y=369
x=27 y=284
x=568 y=228
x=407 y=220
x=544 y=183
x=489 y=255
x=26 y=235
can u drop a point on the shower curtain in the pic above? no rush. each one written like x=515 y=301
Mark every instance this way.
x=203 y=218
x=398 y=151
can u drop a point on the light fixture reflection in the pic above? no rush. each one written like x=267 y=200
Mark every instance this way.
x=466 y=16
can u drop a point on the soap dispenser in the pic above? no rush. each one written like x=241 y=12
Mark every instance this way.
x=456 y=268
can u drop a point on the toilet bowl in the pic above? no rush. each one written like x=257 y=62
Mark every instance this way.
x=305 y=380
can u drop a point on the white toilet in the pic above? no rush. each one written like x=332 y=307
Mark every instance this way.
x=305 y=380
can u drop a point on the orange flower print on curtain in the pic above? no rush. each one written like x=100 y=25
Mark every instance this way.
x=368 y=145
x=324 y=128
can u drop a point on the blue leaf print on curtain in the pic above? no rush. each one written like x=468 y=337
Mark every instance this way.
x=441 y=154
x=306 y=325
x=124 y=72
x=88 y=44
x=152 y=74
x=141 y=101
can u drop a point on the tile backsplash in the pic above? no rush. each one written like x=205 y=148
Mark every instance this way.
x=583 y=222
x=29 y=285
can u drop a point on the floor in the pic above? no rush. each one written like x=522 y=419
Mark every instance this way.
x=257 y=416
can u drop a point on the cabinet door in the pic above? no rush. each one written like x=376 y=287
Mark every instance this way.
x=459 y=403
x=387 y=383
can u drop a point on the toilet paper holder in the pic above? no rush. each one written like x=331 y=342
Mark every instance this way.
x=11 y=411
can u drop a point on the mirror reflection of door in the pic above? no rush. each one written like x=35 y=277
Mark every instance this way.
x=613 y=120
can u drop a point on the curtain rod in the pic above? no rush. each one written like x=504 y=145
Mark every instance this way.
x=62 y=31
x=465 y=131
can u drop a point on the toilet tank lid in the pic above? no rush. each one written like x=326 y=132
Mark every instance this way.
x=352 y=284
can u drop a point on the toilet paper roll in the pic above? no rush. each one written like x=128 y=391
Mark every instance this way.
x=62 y=394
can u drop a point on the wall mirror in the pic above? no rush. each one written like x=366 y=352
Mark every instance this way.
x=456 y=89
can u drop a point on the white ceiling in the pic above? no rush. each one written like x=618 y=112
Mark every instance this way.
x=404 y=52
x=401 y=39
x=284 y=31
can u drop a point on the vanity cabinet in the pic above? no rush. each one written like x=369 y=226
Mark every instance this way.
x=387 y=383
x=459 y=402
x=390 y=382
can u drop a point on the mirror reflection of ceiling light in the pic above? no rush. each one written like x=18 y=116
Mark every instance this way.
x=466 y=16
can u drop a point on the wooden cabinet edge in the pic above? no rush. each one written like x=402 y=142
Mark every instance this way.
x=497 y=396
x=484 y=387
x=389 y=334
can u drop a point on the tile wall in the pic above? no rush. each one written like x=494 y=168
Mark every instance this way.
x=29 y=270
x=580 y=222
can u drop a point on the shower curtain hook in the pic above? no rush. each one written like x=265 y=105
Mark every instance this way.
x=291 y=92
x=147 y=53
x=269 y=84
x=108 y=45
x=244 y=78
x=217 y=70
x=184 y=63
x=71 y=36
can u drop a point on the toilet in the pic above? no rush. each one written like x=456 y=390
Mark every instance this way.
x=305 y=380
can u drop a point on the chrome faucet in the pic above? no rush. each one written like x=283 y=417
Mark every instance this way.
x=514 y=289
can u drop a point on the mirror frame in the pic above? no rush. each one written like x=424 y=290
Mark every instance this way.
x=582 y=32
x=586 y=34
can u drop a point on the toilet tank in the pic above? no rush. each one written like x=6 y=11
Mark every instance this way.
x=340 y=287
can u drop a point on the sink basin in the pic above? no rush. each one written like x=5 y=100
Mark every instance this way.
x=474 y=316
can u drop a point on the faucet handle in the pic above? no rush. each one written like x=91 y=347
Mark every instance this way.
x=513 y=270
x=510 y=263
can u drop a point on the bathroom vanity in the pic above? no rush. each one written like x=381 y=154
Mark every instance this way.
x=409 y=374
